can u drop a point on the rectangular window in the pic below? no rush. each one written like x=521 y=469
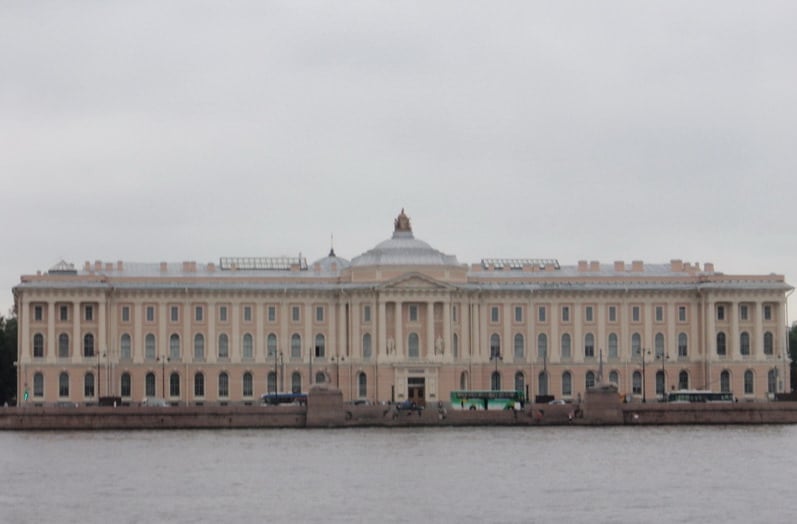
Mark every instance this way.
x=635 y=314
x=272 y=313
x=64 y=313
x=38 y=313
x=659 y=314
x=541 y=314
x=413 y=313
x=720 y=312
x=565 y=313
x=89 y=313
x=295 y=314
x=743 y=312
x=588 y=315
x=494 y=314
x=366 y=314
x=174 y=313
x=681 y=313
x=454 y=313
x=247 y=313
x=125 y=313
x=518 y=314
x=319 y=313
x=767 y=312
x=199 y=314
x=222 y=313
x=150 y=312
x=612 y=314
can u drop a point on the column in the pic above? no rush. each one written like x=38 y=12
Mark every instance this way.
x=399 y=335
x=381 y=328
x=758 y=331
x=52 y=337
x=733 y=337
x=448 y=345
x=429 y=329
x=77 y=346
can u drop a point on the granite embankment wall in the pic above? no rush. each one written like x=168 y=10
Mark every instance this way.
x=326 y=410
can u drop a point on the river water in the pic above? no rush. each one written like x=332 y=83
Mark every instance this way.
x=463 y=475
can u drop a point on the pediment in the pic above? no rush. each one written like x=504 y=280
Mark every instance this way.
x=415 y=281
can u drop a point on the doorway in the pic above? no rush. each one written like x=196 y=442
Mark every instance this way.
x=416 y=390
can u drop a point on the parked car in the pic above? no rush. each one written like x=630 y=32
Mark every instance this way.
x=409 y=405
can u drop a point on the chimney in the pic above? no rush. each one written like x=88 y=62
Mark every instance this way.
x=637 y=266
x=582 y=266
x=676 y=265
x=619 y=266
x=594 y=266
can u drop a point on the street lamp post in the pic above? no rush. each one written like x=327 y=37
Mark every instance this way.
x=644 y=398
x=496 y=357
x=163 y=360
x=663 y=358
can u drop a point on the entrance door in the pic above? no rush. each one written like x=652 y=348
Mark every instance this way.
x=416 y=391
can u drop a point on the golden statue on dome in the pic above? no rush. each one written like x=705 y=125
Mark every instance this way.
x=402 y=222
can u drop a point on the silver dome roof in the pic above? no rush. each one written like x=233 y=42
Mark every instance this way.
x=403 y=249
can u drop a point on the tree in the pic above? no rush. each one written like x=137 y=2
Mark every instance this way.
x=8 y=355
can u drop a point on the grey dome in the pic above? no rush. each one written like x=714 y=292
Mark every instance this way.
x=403 y=249
x=325 y=264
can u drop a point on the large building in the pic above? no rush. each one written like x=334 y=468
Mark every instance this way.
x=400 y=321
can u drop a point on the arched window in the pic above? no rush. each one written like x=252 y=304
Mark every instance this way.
x=367 y=349
x=224 y=385
x=589 y=381
x=125 y=386
x=659 y=345
x=199 y=347
x=320 y=377
x=683 y=346
x=149 y=347
x=463 y=380
x=613 y=351
x=413 y=347
x=320 y=346
x=519 y=343
x=271 y=382
x=455 y=345
x=149 y=385
x=567 y=384
x=566 y=347
x=296 y=382
x=174 y=385
x=744 y=343
x=495 y=382
x=683 y=380
x=772 y=381
x=199 y=385
x=271 y=345
x=636 y=345
x=224 y=346
x=63 y=384
x=520 y=382
x=495 y=345
x=614 y=377
x=248 y=385
x=88 y=345
x=660 y=387
x=174 y=346
x=88 y=385
x=38 y=385
x=636 y=383
x=748 y=382
x=721 y=349
x=725 y=381
x=38 y=345
x=126 y=347
x=768 y=343
x=362 y=385
x=589 y=345
x=63 y=345
x=296 y=346
x=542 y=383
x=542 y=346
x=248 y=348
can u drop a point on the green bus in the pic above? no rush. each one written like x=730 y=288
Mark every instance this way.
x=487 y=399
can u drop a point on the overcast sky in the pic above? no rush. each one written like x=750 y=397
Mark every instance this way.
x=619 y=130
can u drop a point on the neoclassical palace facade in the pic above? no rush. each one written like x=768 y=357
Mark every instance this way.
x=400 y=321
